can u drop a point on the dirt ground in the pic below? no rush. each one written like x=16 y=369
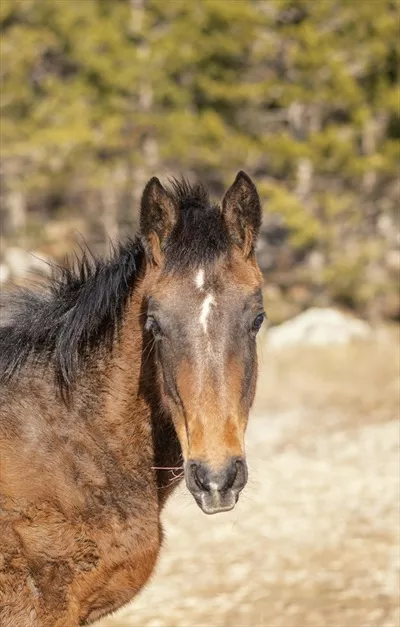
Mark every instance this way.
x=314 y=539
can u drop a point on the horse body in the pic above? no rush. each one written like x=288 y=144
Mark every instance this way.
x=85 y=524
x=90 y=422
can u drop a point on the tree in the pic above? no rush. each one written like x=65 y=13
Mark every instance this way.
x=97 y=96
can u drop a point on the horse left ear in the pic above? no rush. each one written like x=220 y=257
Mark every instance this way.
x=242 y=212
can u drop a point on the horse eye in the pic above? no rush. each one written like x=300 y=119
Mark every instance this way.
x=153 y=326
x=257 y=322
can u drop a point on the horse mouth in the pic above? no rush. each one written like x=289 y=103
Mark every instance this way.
x=214 y=501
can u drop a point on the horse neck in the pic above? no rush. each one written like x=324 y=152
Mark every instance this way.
x=133 y=410
x=124 y=406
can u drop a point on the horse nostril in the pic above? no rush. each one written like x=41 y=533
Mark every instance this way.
x=200 y=477
x=196 y=476
x=241 y=473
x=230 y=474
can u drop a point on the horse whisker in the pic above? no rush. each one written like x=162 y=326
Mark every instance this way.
x=167 y=467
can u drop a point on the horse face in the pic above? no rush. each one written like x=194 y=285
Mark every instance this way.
x=204 y=328
x=204 y=319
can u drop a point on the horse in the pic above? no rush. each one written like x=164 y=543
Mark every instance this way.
x=119 y=378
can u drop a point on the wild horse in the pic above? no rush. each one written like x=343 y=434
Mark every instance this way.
x=116 y=375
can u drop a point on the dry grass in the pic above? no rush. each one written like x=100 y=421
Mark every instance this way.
x=361 y=381
x=314 y=540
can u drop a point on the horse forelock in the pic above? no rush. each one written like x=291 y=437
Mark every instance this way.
x=199 y=236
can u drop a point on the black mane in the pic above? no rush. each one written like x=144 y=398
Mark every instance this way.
x=82 y=305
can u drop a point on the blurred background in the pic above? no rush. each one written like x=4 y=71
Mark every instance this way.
x=97 y=96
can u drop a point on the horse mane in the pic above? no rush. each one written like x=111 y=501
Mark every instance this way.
x=81 y=306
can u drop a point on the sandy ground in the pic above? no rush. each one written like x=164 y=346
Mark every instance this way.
x=314 y=539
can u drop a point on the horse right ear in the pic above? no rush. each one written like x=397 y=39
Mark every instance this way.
x=157 y=214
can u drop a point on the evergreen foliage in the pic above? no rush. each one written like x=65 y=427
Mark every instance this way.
x=97 y=96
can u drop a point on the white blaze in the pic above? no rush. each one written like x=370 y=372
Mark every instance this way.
x=207 y=302
x=205 y=311
x=199 y=280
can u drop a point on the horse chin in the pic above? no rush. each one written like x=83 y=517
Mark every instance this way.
x=214 y=502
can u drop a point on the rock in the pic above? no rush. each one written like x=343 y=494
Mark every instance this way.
x=318 y=327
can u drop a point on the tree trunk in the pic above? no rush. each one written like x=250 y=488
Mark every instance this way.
x=148 y=148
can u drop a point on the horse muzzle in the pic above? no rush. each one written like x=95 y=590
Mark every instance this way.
x=216 y=490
